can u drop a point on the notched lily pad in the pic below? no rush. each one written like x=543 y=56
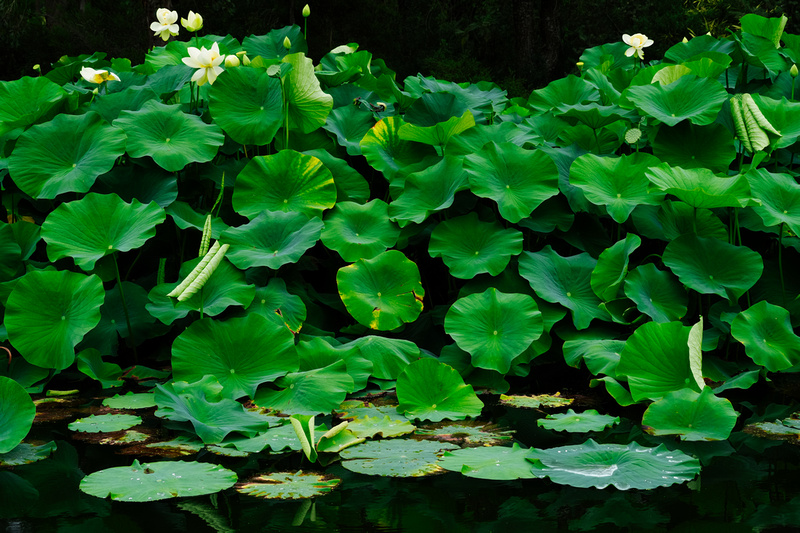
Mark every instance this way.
x=787 y=429
x=104 y=423
x=536 y=401
x=288 y=486
x=370 y=426
x=492 y=462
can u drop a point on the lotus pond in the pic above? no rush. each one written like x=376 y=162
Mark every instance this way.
x=232 y=277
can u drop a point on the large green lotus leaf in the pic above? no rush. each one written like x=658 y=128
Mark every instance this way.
x=697 y=99
x=185 y=217
x=49 y=312
x=564 y=280
x=692 y=415
x=16 y=414
x=430 y=390
x=241 y=353
x=308 y=393
x=518 y=180
x=288 y=485
x=272 y=239
x=672 y=219
x=270 y=46
x=689 y=146
x=711 y=266
x=612 y=267
x=389 y=356
x=698 y=46
x=26 y=453
x=494 y=327
x=769 y=28
x=277 y=304
x=699 y=187
x=64 y=155
x=24 y=101
x=349 y=124
x=490 y=462
x=226 y=287
x=171 y=137
x=395 y=457
x=438 y=134
x=595 y=116
x=572 y=422
x=618 y=183
x=308 y=106
x=485 y=99
x=780 y=198
x=601 y=356
x=146 y=183
x=247 y=104
x=342 y=65
x=784 y=115
x=104 y=423
x=212 y=415
x=656 y=360
x=319 y=352
x=286 y=181
x=625 y=466
x=158 y=481
x=130 y=99
x=767 y=334
x=386 y=152
x=563 y=93
x=473 y=139
x=350 y=185
x=90 y=362
x=470 y=247
x=358 y=231
x=434 y=108
x=429 y=190
x=98 y=225
x=383 y=292
x=656 y=293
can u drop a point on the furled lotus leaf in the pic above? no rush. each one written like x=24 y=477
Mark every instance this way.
x=16 y=414
x=383 y=292
x=490 y=462
x=692 y=415
x=358 y=231
x=104 y=423
x=612 y=267
x=158 y=481
x=656 y=293
x=698 y=100
x=98 y=225
x=625 y=466
x=288 y=486
x=430 y=390
x=470 y=247
x=395 y=458
x=583 y=422
x=494 y=327
x=768 y=337
x=308 y=105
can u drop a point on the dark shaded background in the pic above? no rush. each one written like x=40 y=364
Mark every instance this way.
x=519 y=44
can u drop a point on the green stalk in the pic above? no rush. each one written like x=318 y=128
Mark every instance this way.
x=125 y=308
x=780 y=260
x=285 y=115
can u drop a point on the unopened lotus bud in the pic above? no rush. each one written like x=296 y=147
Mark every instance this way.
x=793 y=71
x=243 y=56
x=685 y=40
x=232 y=61
x=287 y=43
x=306 y=11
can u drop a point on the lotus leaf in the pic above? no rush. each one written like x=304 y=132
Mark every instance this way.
x=104 y=423
x=359 y=231
x=694 y=416
x=310 y=392
x=270 y=46
x=563 y=93
x=395 y=458
x=689 y=146
x=470 y=432
x=697 y=99
x=768 y=337
x=535 y=402
x=656 y=293
x=583 y=422
x=783 y=115
x=24 y=101
x=16 y=414
x=91 y=363
x=275 y=303
x=386 y=152
x=699 y=187
x=158 y=481
x=288 y=486
x=319 y=352
x=430 y=390
x=131 y=400
x=25 y=453
x=308 y=105
x=492 y=462
x=612 y=268
x=370 y=426
x=601 y=356
x=429 y=190
x=438 y=134
x=349 y=124
x=780 y=198
x=350 y=185
x=388 y=356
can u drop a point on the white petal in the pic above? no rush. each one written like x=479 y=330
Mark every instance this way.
x=629 y=52
x=626 y=38
x=199 y=73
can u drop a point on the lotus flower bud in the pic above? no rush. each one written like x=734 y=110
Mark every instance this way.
x=287 y=43
x=306 y=11
x=793 y=71
x=232 y=61
x=243 y=56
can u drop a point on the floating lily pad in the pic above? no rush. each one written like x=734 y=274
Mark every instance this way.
x=158 y=481
x=353 y=409
x=572 y=422
x=694 y=416
x=180 y=445
x=395 y=458
x=370 y=426
x=288 y=486
x=471 y=433
x=490 y=462
x=787 y=429
x=131 y=400
x=25 y=453
x=430 y=390
x=104 y=423
x=626 y=467
x=535 y=402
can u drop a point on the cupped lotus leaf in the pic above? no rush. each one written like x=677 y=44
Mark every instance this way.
x=494 y=327
x=130 y=99
x=691 y=415
x=470 y=247
x=562 y=93
x=388 y=356
x=618 y=183
x=64 y=155
x=656 y=360
x=158 y=481
x=171 y=137
x=670 y=74
x=689 y=146
x=16 y=414
x=768 y=337
x=583 y=422
x=357 y=231
x=349 y=124
x=383 y=292
x=270 y=46
x=344 y=64
x=612 y=267
x=145 y=183
x=272 y=239
x=519 y=180
x=784 y=115
x=711 y=266
x=98 y=225
x=241 y=353
x=26 y=453
x=564 y=280
x=277 y=304
x=430 y=390
x=49 y=312
x=395 y=457
x=104 y=423
x=698 y=100
x=247 y=104
x=288 y=486
x=595 y=116
x=625 y=466
x=699 y=187
x=212 y=415
x=656 y=293
x=769 y=28
x=439 y=134
x=24 y=101
x=286 y=181
x=386 y=152
x=490 y=462
x=432 y=108
x=308 y=393
x=131 y=400
x=308 y=105
x=674 y=218
x=780 y=198
x=429 y=190
x=370 y=426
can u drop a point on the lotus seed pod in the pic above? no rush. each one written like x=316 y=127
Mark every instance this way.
x=633 y=135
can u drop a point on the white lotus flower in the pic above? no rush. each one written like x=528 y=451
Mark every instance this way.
x=637 y=41
x=98 y=76
x=193 y=22
x=166 y=23
x=207 y=62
